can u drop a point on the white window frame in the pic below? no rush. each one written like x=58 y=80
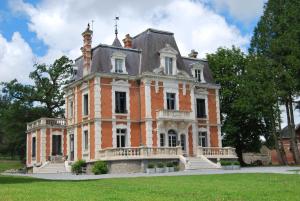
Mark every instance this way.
x=83 y=103
x=121 y=56
x=168 y=52
x=175 y=91
x=198 y=66
x=70 y=108
x=121 y=86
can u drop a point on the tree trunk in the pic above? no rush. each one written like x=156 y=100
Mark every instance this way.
x=280 y=143
x=294 y=143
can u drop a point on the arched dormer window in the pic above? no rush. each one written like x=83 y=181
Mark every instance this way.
x=197 y=72
x=118 y=63
x=168 y=60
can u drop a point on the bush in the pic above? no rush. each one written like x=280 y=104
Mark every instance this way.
x=236 y=163
x=225 y=163
x=160 y=165
x=150 y=165
x=77 y=166
x=100 y=167
x=170 y=164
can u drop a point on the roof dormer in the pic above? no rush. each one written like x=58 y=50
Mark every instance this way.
x=168 y=60
x=197 y=72
x=118 y=63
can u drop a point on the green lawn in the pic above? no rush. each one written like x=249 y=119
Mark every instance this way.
x=256 y=187
x=9 y=164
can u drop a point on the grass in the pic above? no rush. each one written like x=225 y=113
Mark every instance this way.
x=233 y=187
x=9 y=164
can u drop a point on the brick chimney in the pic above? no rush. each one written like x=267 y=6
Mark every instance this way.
x=127 y=41
x=193 y=54
x=87 y=50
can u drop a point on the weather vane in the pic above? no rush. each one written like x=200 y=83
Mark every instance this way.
x=116 y=25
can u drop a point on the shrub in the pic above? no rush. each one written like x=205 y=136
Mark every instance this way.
x=100 y=167
x=170 y=164
x=77 y=166
x=160 y=165
x=150 y=165
x=225 y=163
x=236 y=163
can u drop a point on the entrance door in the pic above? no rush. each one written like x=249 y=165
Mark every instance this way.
x=72 y=147
x=56 y=145
x=182 y=142
x=172 y=137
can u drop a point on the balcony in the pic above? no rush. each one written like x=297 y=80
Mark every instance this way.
x=46 y=122
x=139 y=153
x=217 y=152
x=175 y=115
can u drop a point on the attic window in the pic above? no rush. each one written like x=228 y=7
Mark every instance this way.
x=119 y=65
x=198 y=75
x=169 y=65
x=197 y=71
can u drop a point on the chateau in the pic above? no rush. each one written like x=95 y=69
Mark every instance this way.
x=132 y=103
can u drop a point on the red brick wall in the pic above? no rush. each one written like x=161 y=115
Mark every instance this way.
x=106 y=134
x=135 y=134
x=184 y=100
x=29 y=148
x=92 y=141
x=79 y=142
x=212 y=112
x=38 y=146
x=47 y=143
x=190 y=138
x=65 y=142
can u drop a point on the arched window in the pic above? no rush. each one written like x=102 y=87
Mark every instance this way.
x=172 y=136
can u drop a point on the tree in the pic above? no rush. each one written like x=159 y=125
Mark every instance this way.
x=276 y=38
x=47 y=89
x=242 y=126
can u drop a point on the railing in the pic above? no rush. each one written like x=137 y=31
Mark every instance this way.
x=46 y=122
x=174 y=115
x=217 y=152
x=139 y=152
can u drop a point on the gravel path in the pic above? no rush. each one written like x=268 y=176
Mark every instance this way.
x=69 y=176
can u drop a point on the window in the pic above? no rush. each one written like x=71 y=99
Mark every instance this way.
x=182 y=142
x=119 y=65
x=198 y=75
x=85 y=104
x=121 y=137
x=33 y=147
x=201 y=113
x=171 y=101
x=202 y=139
x=70 y=109
x=120 y=102
x=172 y=138
x=169 y=65
x=86 y=139
x=162 y=140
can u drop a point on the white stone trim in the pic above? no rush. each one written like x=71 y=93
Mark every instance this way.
x=76 y=105
x=98 y=136
x=198 y=66
x=118 y=55
x=171 y=87
x=75 y=143
x=85 y=152
x=168 y=51
x=205 y=97
x=218 y=118
x=128 y=133
x=43 y=145
x=85 y=92
x=97 y=97
x=121 y=86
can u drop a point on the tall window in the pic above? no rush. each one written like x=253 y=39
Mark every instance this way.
x=169 y=65
x=86 y=139
x=85 y=104
x=182 y=142
x=119 y=65
x=70 y=108
x=162 y=139
x=33 y=154
x=171 y=101
x=121 y=137
x=172 y=138
x=202 y=139
x=201 y=113
x=198 y=75
x=120 y=102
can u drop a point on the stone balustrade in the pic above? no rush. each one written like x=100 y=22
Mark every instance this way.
x=57 y=122
x=140 y=152
x=217 y=152
x=174 y=115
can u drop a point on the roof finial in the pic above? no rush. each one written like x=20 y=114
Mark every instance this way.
x=116 y=26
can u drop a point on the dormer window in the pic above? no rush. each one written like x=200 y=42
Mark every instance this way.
x=119 y=65
x=198 y=75
x=169 y=65
x=118 y=62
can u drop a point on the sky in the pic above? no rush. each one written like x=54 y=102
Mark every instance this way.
x=39 y=31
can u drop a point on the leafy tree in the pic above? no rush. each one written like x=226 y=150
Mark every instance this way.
x=276 y=38
x=47 y=89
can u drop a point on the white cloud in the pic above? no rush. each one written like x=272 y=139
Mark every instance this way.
x=16 y=59
x=59 y=24
x=245 y=11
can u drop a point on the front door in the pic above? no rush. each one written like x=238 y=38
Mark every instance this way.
x=56 y=145
x=72 y=147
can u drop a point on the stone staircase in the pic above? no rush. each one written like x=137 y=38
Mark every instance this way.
x=51 y=167
x=200 y=162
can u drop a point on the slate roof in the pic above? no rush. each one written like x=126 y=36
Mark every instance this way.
x=145 y=47
x=285 y=133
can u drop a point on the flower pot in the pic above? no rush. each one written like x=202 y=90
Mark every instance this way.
x=170 y=169
x=150 y=170
x=159 y=170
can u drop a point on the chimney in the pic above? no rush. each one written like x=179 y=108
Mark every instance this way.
x=193 y=54
x=87 y=50
x=127 y=41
